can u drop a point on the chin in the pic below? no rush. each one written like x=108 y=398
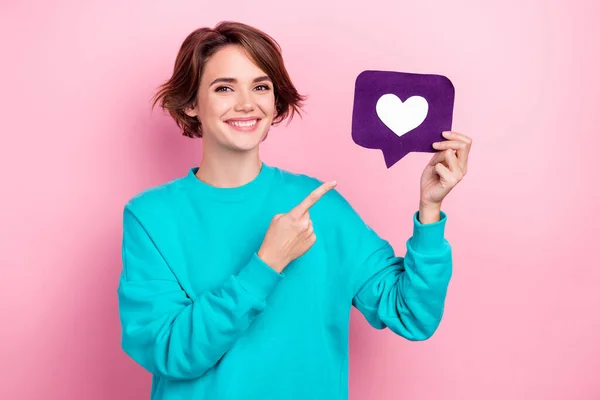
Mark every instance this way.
x=242 y=147
x=247 y=141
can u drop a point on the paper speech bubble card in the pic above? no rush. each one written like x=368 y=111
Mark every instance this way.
x=399 y=112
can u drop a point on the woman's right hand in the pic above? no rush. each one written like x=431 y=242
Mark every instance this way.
x=291 y=235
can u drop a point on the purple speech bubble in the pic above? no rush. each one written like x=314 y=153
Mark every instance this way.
x=399 y=112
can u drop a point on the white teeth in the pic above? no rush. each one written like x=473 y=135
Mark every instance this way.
x=243 y=123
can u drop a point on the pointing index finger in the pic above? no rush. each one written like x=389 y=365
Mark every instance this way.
x=311 y=199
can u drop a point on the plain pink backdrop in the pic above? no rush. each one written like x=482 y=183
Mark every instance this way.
x=78 y=140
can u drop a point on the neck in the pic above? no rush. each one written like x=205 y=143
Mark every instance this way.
x=228 y=170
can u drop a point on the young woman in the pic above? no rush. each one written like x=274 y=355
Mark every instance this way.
x=238 y=277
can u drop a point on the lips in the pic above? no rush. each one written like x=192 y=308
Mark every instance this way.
x=244 y=123
x=247 y=124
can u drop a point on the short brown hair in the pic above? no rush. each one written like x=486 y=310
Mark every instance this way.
x=181 y=90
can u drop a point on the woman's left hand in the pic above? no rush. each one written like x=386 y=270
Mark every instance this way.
x=446 y=168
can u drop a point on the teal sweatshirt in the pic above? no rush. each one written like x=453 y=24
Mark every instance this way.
x=209 y=319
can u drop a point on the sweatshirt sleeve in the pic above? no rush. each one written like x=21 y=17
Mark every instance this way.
x=405 y=294
x=166 y=331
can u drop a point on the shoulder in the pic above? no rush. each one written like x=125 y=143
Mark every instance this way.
x=302 y=184
x=297 y=180
x=334 y=213
x=159 y=197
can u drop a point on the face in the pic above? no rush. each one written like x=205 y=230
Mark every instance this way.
x=236 y=101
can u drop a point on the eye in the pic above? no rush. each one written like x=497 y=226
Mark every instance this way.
x=222 y=89
x=263 y=87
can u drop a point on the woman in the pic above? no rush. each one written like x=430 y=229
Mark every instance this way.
x=238 y=278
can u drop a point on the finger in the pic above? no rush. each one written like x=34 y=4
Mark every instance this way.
x=310 y=230
x=457 y=136
x=311 y=199
x=459 y=150
x=438 y=157
x=462 y=150
x=455 y=145
x=453 y=163
x=305 y=223
x=448 y=144
x=445 y=174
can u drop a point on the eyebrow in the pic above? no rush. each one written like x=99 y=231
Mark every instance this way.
x=233 y=80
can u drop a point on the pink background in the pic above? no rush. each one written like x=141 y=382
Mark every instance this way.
x=78 y=140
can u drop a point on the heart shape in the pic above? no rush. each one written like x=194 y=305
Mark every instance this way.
x=401 y=117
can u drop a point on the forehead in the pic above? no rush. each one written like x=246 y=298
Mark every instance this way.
x=231 y=61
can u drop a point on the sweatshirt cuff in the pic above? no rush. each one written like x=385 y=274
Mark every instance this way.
x=258 y=278
x=428 y=238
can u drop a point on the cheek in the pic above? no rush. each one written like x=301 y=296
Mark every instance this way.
x=223 y=104
x=267 y=104
x=216 y=108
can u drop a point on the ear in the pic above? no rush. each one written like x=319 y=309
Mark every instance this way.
x=191 y=111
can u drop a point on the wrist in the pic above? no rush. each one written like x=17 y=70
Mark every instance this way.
x=429 y=213
x=273 y=262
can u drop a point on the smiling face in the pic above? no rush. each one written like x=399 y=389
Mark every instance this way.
x=236 y=101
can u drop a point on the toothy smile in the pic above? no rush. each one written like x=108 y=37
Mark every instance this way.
x=239 y=123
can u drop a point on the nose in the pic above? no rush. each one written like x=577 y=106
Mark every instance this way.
x=244 y=102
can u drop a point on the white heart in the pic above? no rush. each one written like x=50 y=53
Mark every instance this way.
x=401 y=117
